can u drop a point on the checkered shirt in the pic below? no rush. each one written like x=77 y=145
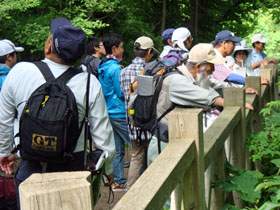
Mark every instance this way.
x=221 y=72
x=127 y=76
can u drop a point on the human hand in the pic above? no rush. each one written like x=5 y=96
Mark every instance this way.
x=7 y=164
x=274 y=60
x=264 y=62
x=251 y=91
x=249 y=106
x=111 y=180
x=264 y=81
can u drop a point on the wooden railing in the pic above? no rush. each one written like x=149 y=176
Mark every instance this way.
x=193 y=160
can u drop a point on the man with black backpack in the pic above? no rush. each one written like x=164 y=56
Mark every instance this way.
x=55 y=103
x=143 y=51
x=95 y=49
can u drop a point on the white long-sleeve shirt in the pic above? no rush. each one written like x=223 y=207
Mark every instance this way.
x=24 y=78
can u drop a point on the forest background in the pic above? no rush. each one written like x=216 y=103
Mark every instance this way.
x=26 y=22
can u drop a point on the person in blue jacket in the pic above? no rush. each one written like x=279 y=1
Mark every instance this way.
x=109 y=76
x=8 y=58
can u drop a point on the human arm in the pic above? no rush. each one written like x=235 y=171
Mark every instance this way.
x=183 y=92
x=236 y=78
x=100 y=127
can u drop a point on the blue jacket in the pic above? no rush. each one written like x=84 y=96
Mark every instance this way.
x=4 y=70
x=109 y=77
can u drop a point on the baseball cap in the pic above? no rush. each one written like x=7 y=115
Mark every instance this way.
x=145 y=43
x=258 y=38
x=68 y=40
x=226 y=35
x=7 y=47
x=179 y=36
x=204 y=53
x=167 y=33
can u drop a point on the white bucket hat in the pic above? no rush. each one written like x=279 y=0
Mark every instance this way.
x=240 y=47
x=259 y=38
x=179 y=36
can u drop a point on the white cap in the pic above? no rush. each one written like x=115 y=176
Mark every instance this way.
x=145 y=43
x=259 y=38
x=179 y=36
x=7 y=47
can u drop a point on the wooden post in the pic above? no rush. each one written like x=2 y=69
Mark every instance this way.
x=193 y=181
x=255 y=123
x=62 y=190
x=236 y=97
x=218 y=195
x=267 y=73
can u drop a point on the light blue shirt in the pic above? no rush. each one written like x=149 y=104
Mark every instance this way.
x=257 y=57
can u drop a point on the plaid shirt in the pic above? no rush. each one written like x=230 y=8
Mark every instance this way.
x=221 y=72
x=127 y=76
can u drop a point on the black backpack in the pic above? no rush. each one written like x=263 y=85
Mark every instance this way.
x=143 y=110
x=49 y=125
x=88 y=63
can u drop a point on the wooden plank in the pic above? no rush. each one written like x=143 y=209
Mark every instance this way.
x=180 y=128
x=236 y=97
x=154 y=186
x=218 y=132
x=60 y=191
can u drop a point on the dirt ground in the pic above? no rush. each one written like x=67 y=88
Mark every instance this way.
x=102 y=202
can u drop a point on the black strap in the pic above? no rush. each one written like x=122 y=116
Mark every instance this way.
x=87 y=126
x=3 y=74
x=48 y=75
x=69 y=73
x=45 y=70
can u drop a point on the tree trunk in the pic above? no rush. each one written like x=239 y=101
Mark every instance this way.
x=163 y=21
x=194 y=19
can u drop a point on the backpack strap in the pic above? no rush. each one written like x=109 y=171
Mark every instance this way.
x=45 y=70
x=68 y=74
x=87 y=126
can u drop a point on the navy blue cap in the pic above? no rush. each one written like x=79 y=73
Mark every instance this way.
x=226 y=35
x=167 y=34
x=68 y=40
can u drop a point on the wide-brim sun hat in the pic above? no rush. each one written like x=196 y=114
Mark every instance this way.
x=242 y=46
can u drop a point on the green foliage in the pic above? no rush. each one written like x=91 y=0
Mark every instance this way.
x=243 y=182
x=263 y=192
x=267 y=24
x=266 y=144
x=26 y=22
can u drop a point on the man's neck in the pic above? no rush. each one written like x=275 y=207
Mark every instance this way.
x=97 y=55
x=220 y=50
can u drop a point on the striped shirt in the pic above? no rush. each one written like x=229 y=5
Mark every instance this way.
x=128 y=76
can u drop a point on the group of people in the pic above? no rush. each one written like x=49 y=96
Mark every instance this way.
x=205 y=70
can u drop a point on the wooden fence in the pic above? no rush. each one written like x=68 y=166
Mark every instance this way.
x=192 y=161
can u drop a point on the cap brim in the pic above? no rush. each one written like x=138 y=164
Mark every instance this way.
x=236 y=39
x=19 y=49
x=264 y=40
x=217 y=60
x=57 y=22
x=155 y=50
